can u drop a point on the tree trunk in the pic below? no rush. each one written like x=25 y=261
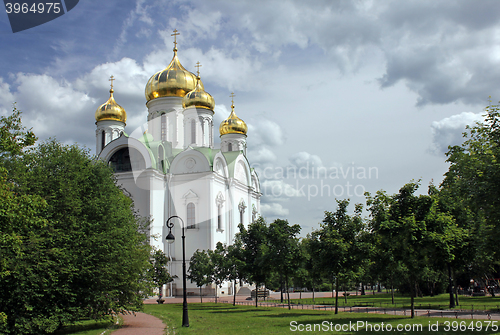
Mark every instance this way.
x=313 y=294
x=413 y=292
x=450 y=287
x=392 y=292
x=234 y=293
x=256 y=295
x=332 y=289
x=345 y=294
x=281 y=288
x=201 y=297
x=336 y=295
x=363 y=289
x=287 y=291
x=216 y=289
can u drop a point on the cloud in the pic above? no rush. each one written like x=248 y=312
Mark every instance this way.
x=273 y=210
x=266 y=132
x=279 y=189
x=304 y=161
x=261 y=156
x=449 y=131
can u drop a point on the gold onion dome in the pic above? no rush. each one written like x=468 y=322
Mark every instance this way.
x=233 y=124
x=198 y=98
x=110 y=110
x=173 y=81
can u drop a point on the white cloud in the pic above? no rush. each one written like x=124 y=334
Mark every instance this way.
x=273 y=210
x=279 y=189
x=448 y=131
x=266 y=132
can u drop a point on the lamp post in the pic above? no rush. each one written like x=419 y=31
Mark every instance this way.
x=170 y=239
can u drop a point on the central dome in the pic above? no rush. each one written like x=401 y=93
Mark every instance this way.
x=173 y=81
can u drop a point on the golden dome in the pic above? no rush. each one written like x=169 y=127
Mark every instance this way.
x=198 y=98
x=233 y=124
x=111 y=110
x=173 y=81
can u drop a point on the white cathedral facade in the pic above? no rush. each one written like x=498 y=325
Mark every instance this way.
x=171 y=167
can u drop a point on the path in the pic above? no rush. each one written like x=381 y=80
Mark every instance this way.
x=140 y=324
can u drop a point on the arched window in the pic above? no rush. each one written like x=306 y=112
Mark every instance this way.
x=103 y=139
x=127 y=159
x=193 y=131
x=164 y=127
x=191 y=216
x=241 y=208
x=220 y=224
x=229 y=147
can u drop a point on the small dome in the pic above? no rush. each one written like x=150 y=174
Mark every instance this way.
x=111 y=110
x=198 y=98
x=233 y=124
x=173 y=81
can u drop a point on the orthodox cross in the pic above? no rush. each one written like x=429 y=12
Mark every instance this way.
x=175 y=38
x=198 y=65
x=232 y=97
x=111 y=79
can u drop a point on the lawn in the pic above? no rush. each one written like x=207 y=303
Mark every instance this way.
x=384 y=300
x=88 y=327
x=220 y=319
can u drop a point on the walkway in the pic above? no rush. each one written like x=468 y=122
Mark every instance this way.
x=141 y=324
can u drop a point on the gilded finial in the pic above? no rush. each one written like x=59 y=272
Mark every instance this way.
x=198 y=65
x=111 y=79
x=232 y=101
x=175 y=38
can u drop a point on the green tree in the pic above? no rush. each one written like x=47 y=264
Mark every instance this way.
x=200 y=269
x=77 y=249
x=220 y=269
x=158 y=271
x=255 y=253
x=285 y=250
x=235 y=265
x=473 y=182
x=341 y=248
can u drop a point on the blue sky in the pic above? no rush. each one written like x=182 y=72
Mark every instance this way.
x=339 y=86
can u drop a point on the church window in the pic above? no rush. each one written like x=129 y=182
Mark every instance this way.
x=241 y=208
x=219 y=218
x=229 y=147
x=103 y=139
x=164 y=127
x=127 y=159
x=193 y=131
x=191 y=216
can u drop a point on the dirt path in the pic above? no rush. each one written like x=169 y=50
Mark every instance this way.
x=141 y=324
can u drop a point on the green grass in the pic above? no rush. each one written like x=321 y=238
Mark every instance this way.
x=220 y=319
x=88 y=327
x=384 y=300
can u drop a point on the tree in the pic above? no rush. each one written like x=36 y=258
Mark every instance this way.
x=312 y=259
x=255 y=253
x=219 y=269
x=473 y=182
x=76 y=247
x=200 y=269
x=235 y=265
x=285 y=250
x=158 y=271
x=340 y=245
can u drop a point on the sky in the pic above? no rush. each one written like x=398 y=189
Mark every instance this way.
x=340 y=97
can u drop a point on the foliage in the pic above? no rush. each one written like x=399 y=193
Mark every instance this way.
x=200 y=269
x=70 y=243
x=158 y=271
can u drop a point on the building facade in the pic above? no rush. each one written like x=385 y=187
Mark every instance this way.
x=171 y=167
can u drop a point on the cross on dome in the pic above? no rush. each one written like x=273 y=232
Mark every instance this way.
x=198 y=65
x=175 y=38
x=111 y=79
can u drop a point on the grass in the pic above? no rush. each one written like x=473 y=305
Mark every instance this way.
x=89 y=327
x=384 y=300
x=220 y=319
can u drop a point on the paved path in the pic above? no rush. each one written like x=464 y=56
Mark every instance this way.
x=141 y=324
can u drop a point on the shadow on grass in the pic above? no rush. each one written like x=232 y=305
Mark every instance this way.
x=84 y=327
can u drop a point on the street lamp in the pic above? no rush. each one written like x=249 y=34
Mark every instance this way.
x=170 y=239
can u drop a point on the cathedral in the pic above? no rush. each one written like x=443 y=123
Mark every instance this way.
x=170 y=166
